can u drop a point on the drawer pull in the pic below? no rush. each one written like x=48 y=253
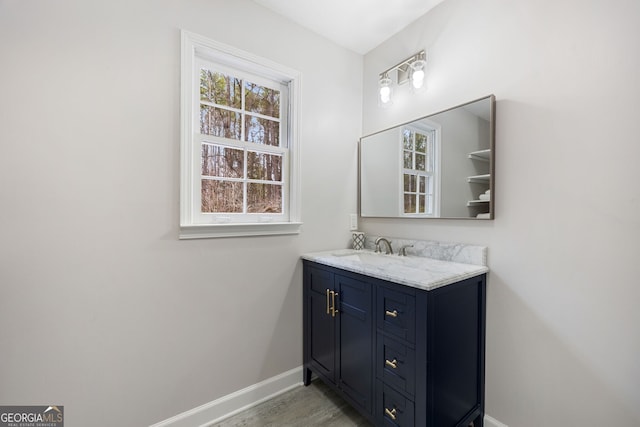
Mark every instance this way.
x=328 y=308
x=390 y=413
x=393 y=313
x=393 y=363
x=334 y=310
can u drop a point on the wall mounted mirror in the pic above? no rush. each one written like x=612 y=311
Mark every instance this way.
x=438 y=166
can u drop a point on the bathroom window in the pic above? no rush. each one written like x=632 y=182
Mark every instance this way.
x=239 y=154
x=419 y=171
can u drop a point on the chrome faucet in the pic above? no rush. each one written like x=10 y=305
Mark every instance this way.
x=403 y=250
x=388 y=249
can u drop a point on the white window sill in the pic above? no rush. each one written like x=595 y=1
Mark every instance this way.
x=212 y=231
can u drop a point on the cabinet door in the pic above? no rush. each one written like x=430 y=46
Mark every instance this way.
x=355 y=345
x=322 y=326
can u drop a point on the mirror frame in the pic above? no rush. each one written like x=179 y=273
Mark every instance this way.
x=492 y=140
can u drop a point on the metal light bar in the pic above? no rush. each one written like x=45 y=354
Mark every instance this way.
x=404 y=67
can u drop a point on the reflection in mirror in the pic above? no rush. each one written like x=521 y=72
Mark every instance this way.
x=439 y=166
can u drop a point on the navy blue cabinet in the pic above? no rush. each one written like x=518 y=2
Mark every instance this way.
x=338 y=344
x=402 y=356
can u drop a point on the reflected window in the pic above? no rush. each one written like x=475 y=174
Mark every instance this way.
x=419 y=170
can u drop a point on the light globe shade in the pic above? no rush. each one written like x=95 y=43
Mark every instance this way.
x=385 y=92
x=417 y=74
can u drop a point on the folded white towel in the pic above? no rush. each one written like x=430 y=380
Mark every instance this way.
x=483 y=216
x=484 y=197
x=488 y=191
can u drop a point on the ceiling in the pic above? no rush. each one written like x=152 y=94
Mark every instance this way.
x=358 y=25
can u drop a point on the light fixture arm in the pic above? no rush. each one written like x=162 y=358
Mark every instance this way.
x=404 y=67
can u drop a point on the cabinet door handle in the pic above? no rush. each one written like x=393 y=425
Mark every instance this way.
x=393 y=363
x=328 y=291
x=334 y=310
x=393 y=313
x=390 y=413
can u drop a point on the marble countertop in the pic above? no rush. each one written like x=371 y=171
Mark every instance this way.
x=415 y=271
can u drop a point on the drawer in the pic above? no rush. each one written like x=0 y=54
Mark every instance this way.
x=396 y=364
x=393 y=409
x=396 y=313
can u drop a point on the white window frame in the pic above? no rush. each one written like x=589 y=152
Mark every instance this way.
x=423 y=127
x=193 y=224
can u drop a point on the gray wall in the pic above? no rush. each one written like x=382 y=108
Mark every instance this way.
x=381 y=174
x=563 y=334
x=102 y=308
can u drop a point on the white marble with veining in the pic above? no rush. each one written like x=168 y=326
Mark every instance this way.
x=444 y=251
x=447 y=263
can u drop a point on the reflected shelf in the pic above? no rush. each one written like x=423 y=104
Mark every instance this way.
x=479 y=178
x=482 y=155
x=477 y=202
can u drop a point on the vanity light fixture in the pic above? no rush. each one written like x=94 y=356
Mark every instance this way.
x=411 y=68
x=385 y=91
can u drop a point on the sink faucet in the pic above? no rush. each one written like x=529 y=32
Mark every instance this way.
x=403 y=250
x=388 y=249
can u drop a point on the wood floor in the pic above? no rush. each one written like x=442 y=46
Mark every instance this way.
x=315 y=405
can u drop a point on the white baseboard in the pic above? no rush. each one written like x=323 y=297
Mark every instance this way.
x=233 y=403
x=492 y=422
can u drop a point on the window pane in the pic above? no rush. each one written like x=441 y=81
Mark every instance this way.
x=263 y=166
x=220 y=89
x=421 y=143
x=221 y=196
x=421 y=204
x=218 y=122
x=407 y=139
x=262 y=131
x=409 y=203
x=420 y=162
x=409 y=182
x=408 y=160
x=264 y=198
x=262 y=100
x=222 y=161
x=421 y=187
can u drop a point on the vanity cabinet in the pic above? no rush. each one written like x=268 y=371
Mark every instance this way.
x=338 y=323
x=403 y=356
